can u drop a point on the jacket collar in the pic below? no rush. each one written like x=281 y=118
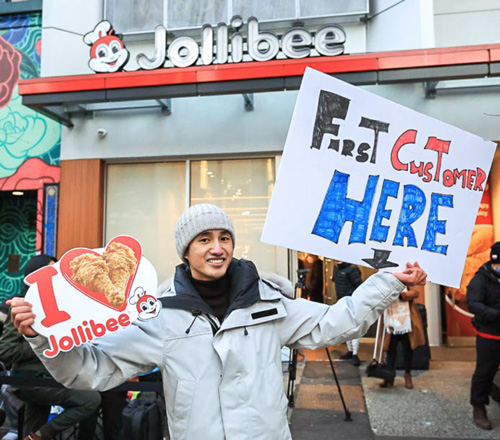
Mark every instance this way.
x=244 y=289
x=269 y=308
x=488 y=272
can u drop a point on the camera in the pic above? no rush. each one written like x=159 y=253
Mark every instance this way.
x=301 y=273
x=301 y=278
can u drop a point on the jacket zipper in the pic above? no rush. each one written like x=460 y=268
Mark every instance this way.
x=213 y=324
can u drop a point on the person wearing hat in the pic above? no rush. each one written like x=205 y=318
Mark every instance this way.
x=483 y=300
x=218 y=338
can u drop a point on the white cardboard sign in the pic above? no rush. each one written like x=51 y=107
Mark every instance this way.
x=89 y=293
x=368 y=181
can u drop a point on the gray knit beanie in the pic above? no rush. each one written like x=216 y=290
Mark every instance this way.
x=197 y=219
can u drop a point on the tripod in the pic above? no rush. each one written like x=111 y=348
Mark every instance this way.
x=346 y=411
x=292 y=363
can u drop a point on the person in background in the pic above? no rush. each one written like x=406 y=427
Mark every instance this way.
x=8 y=401
x=483 y=300
x=347 y=278
x=403 y=323
x=218 y=337
x=78 y=404
x=316 y=281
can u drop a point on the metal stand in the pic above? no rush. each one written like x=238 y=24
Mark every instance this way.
x=292 y=375
x=346 y=411
x=292 y=363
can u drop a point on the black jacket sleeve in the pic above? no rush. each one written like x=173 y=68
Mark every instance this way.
x=14 y=349
x=476 y=300
x=355 y=276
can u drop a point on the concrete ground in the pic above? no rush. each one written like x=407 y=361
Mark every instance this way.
x=438 y=406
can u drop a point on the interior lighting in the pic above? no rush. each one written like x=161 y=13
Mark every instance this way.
x=17 y=193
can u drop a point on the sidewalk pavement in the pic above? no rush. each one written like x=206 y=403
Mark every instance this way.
x=438 y=406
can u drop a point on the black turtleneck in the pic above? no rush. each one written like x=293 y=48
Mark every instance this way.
x=215 y=294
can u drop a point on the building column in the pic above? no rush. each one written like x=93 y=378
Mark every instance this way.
x=81 y=205
x=433 y=307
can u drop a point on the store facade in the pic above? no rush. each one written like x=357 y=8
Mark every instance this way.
x=184 y=123
x=29 y=150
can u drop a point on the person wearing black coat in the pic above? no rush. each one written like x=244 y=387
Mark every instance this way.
x=79 y=405
x=347 y=279
x=483 y=300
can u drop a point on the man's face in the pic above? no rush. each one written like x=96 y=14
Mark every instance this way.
x=209 y=255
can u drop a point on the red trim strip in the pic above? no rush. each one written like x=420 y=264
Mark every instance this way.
x=408 y=59
x=487 y=336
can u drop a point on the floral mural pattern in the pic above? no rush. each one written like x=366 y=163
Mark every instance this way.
x=10 y=60
x=24 y=134
x=17 y=229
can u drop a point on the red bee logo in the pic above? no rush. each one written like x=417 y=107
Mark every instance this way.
x=107 y=51
x=147 y=305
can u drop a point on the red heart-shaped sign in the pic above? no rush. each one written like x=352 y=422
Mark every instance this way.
x=99 y=297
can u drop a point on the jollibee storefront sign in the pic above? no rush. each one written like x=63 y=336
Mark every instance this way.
x=92 y=292
x=109 y=54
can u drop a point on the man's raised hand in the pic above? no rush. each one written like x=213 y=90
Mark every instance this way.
x=22 y=316
x=413 y=275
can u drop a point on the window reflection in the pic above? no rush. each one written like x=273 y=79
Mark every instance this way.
x=145 y=201
x=243 y=189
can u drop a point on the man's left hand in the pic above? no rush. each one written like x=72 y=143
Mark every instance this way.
x=414 y=275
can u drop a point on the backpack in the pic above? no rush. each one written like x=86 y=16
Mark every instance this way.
x=143 y=419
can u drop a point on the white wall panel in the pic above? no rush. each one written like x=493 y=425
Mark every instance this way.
x=468 y=111
x=454 y=6
x=63 y=53
x=63 y=26
x=464 y=23
x=197 y=126
x=400 y=25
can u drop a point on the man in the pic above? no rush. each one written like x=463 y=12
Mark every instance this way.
x=217 y=340
x=347 y=279
x=483 y=300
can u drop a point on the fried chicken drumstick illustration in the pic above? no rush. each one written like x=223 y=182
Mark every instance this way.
x=122 y=263
x=92 y=272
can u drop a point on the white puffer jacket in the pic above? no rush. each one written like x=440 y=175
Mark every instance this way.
x=222 y=383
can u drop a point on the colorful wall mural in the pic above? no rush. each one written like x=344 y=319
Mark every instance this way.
x=29 y=154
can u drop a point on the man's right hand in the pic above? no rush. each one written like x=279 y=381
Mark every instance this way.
x=22 y=316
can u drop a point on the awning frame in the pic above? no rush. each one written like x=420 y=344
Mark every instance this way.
x=56 y=97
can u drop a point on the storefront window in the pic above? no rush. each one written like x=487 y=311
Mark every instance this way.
x=322 y=8
x=145 y=201
x=193 y=13
x=243 y=189
x=134 y=15
x=265 y=10
x=144 y=15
